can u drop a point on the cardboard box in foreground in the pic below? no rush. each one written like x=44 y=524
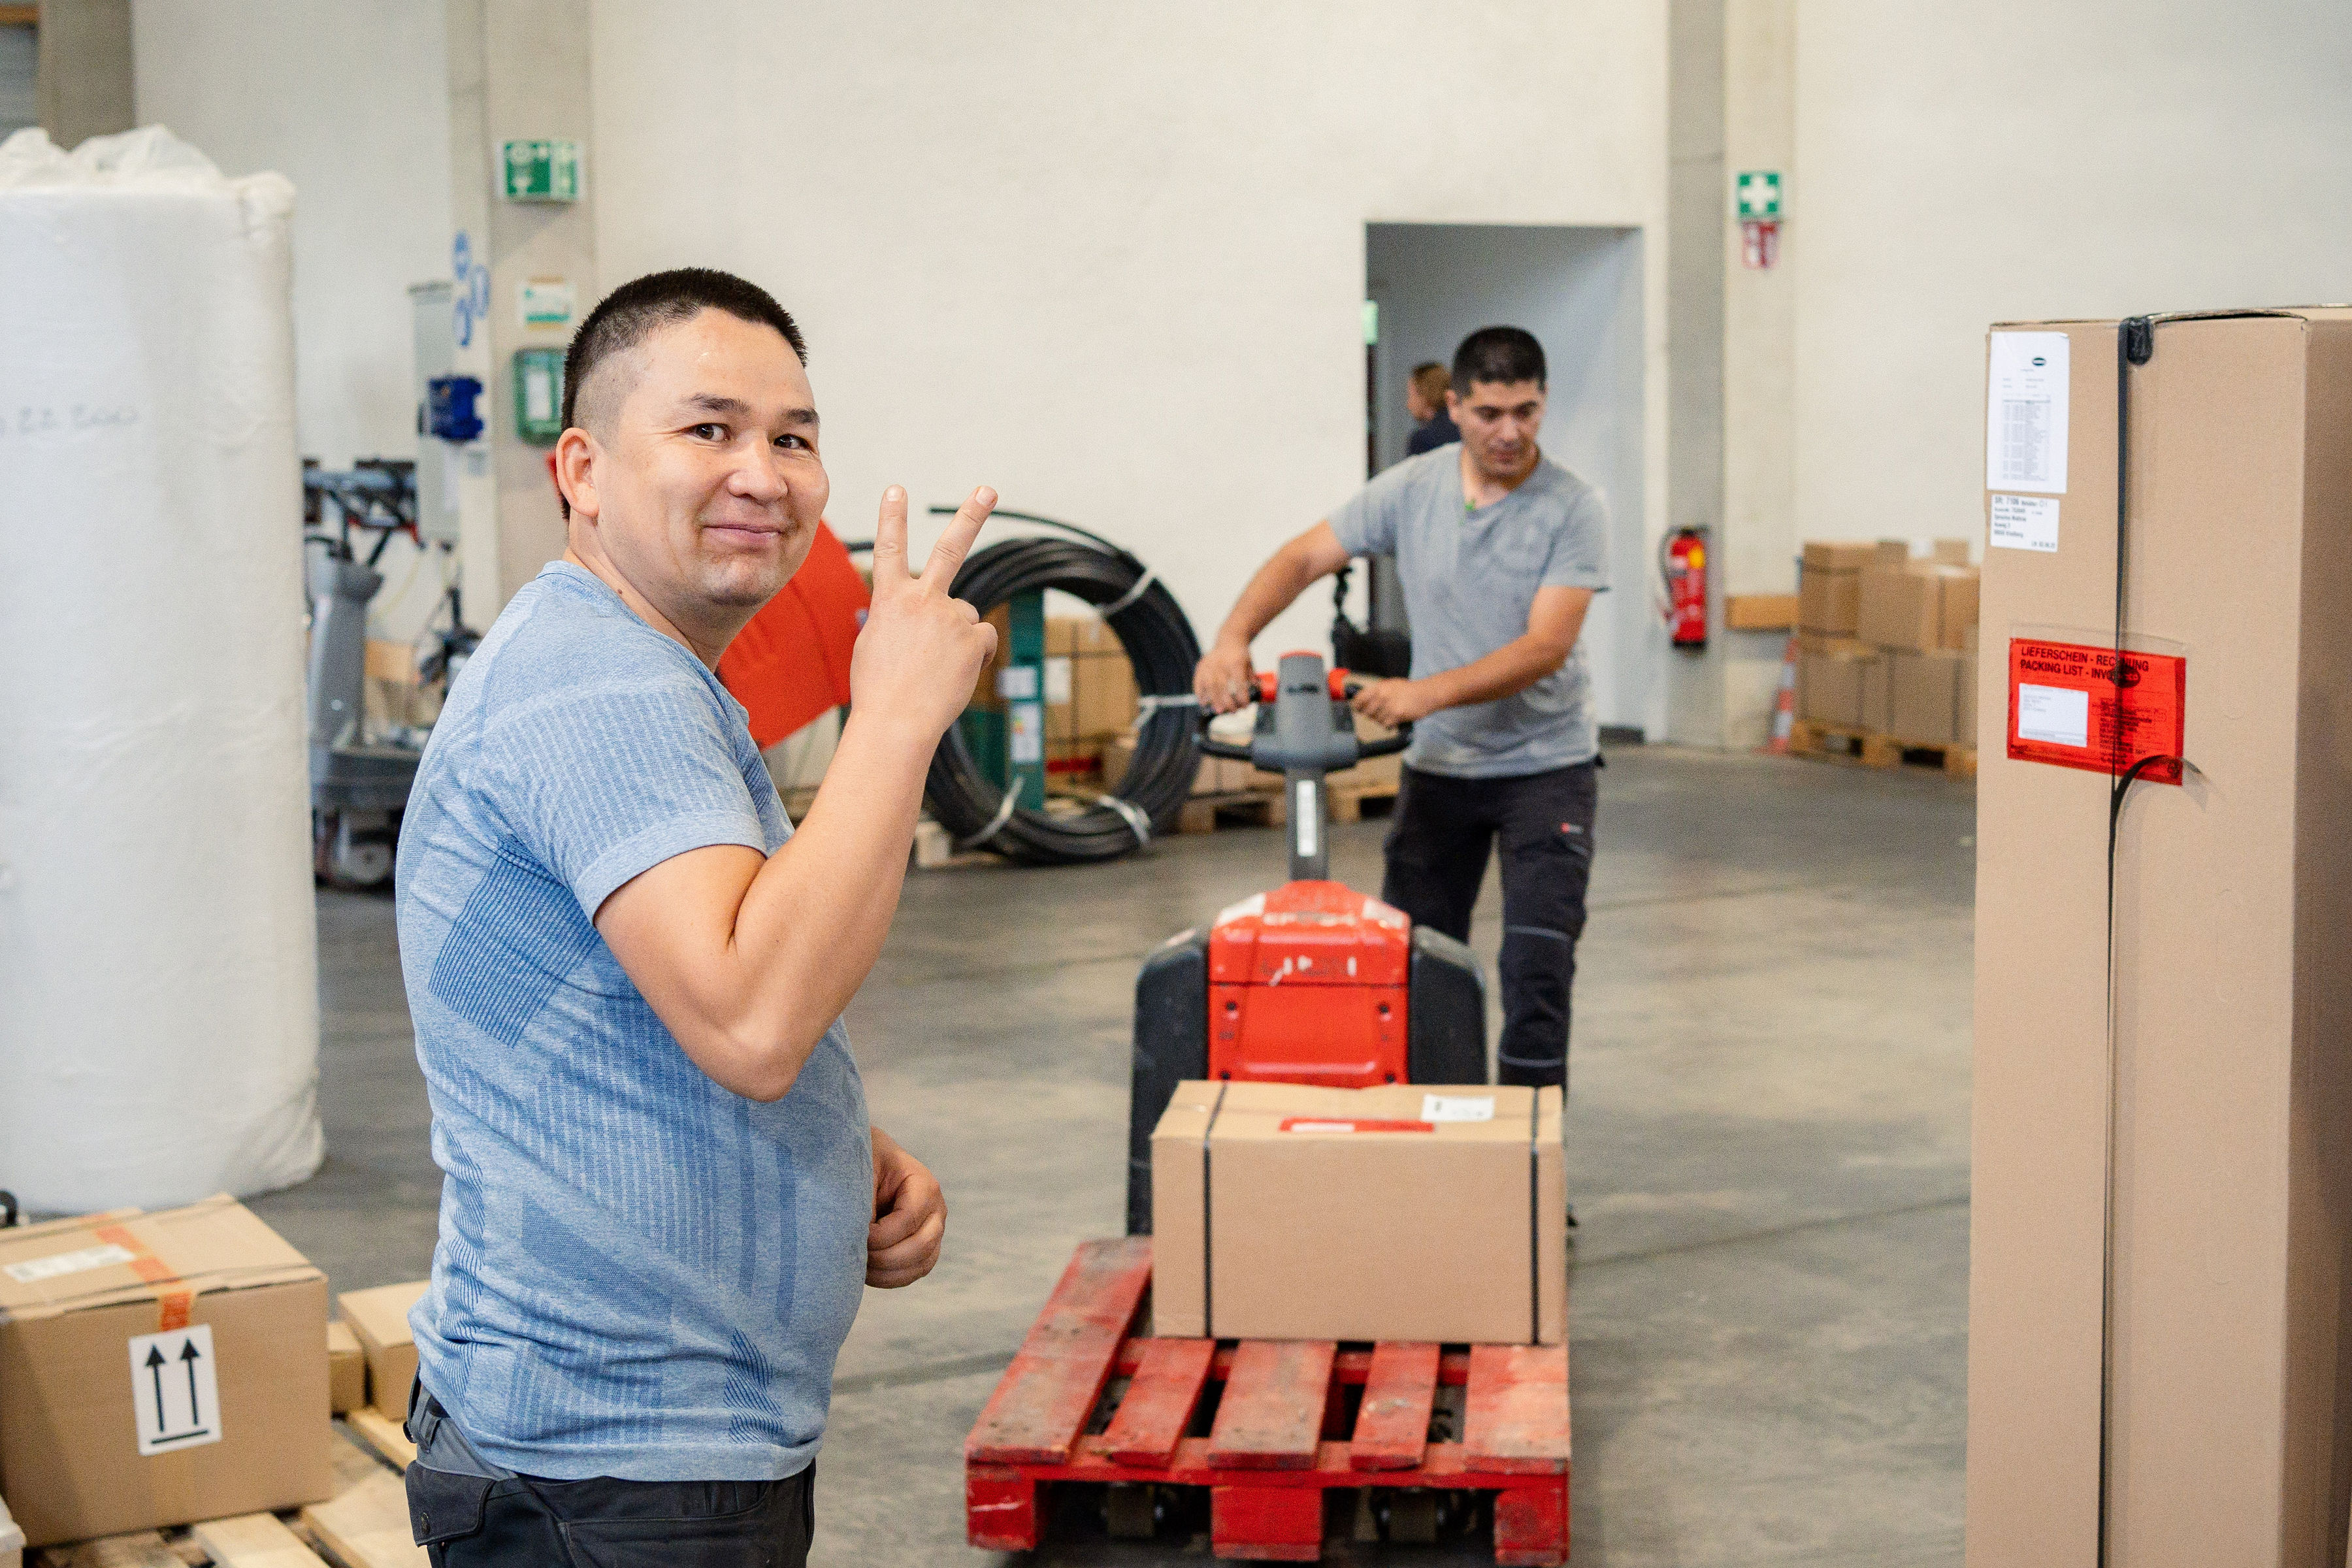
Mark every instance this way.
x=1290 y=1212
x=158 y=1369
x=380 y=1319
x=2230 y=1435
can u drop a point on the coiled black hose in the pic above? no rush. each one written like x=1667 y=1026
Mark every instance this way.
x=1157 y=638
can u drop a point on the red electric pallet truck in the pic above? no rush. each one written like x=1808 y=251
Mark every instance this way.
x=1310 y=982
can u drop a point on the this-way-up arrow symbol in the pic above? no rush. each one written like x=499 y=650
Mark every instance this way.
x=189 y=1356
x=155 y=1370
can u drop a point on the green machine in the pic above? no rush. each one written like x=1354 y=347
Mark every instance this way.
x=1007 y=740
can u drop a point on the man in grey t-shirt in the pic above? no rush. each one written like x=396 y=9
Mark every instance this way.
x=1499 y=550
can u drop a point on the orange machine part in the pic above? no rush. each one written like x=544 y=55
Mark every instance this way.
x=792 y=663
x=1306 y=984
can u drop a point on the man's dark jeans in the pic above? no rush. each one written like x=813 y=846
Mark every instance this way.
x=524 y=1521
x=1437 y=850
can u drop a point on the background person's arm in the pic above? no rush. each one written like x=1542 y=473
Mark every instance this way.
x=1221 y=679
x=1553 y=623
x=748 y=959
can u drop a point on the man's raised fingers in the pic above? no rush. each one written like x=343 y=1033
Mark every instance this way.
x=955 y=543
x=890 y=537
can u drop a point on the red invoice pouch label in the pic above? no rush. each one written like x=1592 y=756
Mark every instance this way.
x=2069 y=704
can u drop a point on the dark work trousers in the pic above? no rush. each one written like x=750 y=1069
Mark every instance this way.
x=1437 y=850
x=523 y=1522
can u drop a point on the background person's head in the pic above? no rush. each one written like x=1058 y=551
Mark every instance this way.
x=1425 y=392
x=1497 y=400
x=688 y=462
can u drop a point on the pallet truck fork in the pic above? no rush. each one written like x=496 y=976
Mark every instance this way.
x=1308 y=983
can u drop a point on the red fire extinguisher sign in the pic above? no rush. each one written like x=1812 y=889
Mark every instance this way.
x=1683 y=564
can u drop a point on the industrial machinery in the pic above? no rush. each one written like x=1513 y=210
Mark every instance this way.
x=359 y=783
x=1312 y=982
x=1309 y=983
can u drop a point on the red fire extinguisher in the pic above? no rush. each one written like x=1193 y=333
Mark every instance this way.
x=1681 y=562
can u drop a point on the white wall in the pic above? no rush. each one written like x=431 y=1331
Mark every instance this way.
x=351 y=102
x=1579 y=290
x=1957 y=165
x=1110 y=258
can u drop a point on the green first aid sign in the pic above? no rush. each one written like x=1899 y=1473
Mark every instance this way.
x=542 y=171
x=1760 y=194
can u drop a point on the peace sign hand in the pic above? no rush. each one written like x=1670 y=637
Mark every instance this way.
x=920 y=652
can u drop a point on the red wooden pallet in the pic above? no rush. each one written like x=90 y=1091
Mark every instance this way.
x=1277 y=1443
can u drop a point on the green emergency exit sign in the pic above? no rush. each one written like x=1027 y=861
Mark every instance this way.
x=542 y=171
x=1759 y=194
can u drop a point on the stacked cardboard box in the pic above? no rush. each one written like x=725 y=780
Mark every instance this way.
x=1089 y=687
x=1884 y=643
x=159 y=1369
x=1836 y=669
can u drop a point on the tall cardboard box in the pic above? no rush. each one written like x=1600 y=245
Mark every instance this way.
x=1285 y=1211
x=159 y=1369
x=2231 y=1430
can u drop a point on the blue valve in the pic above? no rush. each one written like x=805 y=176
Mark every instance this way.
x=451 y=413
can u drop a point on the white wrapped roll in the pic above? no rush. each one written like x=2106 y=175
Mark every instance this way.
x=159 y=1021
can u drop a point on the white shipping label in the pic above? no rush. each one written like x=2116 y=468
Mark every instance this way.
x=1025 y=743
x=1017 y=683
x=1457 y=1108
x=174 y=1390
x=57 y=1263
x=2054 y=714
x=1057 y=680
x=2026 y=412
x=1309 y=814
x=2025 y=522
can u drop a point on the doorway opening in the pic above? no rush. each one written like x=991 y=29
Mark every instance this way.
x=1579 y=290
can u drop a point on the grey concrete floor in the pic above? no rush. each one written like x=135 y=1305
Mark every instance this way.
x=1767 y=1147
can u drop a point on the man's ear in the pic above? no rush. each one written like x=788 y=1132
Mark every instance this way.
x=575 y=472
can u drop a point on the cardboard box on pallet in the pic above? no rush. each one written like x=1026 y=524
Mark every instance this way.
x=158 y=1369
x=2210 y=998
x=1829 y=585
x=1918 y=606
x=346 y=1369
x=1923 y=700
x=1830 y=683
x=380 y=1318
x=1404 y=1211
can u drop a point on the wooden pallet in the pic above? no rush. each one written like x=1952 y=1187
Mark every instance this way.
x=364 y=1525
x=1241 y=808
x=1264 y=1427
x=1808 y=738
x=1350 y=802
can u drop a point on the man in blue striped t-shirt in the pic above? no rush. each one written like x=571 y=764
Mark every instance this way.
x=626 y=971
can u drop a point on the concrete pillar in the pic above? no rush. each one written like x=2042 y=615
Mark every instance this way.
x=518 y=71
x=83 y=87
x=1759 y=536
x=1695 y=269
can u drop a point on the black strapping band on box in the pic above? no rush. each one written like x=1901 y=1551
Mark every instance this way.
x=1208 y=1298
x=1535 y=1236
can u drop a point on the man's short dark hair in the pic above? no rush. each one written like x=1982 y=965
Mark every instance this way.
x=635 y=311
x=1500 y=355
x=1429 y=379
